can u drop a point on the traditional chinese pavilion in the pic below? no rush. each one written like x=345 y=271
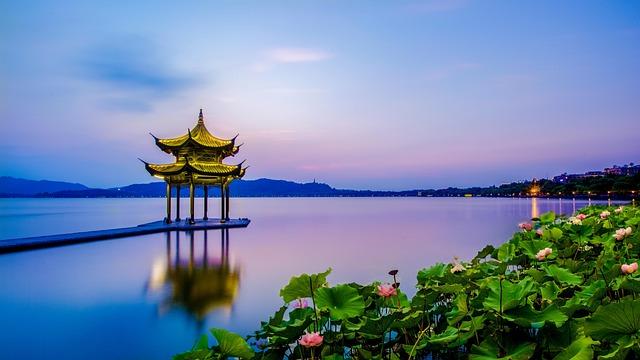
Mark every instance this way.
x=198 y=162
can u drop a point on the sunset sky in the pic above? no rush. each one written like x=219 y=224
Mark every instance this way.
x=357 y=94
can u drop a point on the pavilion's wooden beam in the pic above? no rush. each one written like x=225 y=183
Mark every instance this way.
x=178 y=202
x=168 y=218
x=206 y=202
x=192 y=190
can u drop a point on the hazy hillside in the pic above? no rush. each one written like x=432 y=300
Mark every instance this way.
x=249 y=188
x=14 y=186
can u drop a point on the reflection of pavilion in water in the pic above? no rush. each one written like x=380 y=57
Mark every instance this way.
x=194 y=281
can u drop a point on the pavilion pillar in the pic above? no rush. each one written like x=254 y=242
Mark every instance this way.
x=178 y=202
x=222 y=207
x=226 y=203
x=206 y=202
x=192 y=219
x=167 y=219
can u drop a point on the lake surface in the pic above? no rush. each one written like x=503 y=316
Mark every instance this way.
x=149 y=297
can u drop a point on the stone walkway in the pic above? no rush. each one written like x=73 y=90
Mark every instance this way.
x=38 y=242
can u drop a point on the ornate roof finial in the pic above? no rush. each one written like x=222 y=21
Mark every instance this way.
x=200 y=118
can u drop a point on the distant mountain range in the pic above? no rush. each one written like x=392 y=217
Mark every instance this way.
x=618 y=186
x=15 y=187
x=24 y=187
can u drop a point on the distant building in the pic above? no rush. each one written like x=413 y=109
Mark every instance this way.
x=564 y=178
x=624 y=170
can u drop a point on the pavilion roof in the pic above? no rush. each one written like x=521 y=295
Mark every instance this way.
x=198 y=136
x=200 y=168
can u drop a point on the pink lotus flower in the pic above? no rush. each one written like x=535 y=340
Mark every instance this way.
x=581 y=217
x=619 y=210
x=542 y=254
x=300 y=304
x=629 y=268
x=311 y=340
x=525 y=226
x=387 y=290
x=622 y=233
x=539 y=232
x=604 y=214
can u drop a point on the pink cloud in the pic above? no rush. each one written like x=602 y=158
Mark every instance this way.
x=296 y=55
x=286 y=55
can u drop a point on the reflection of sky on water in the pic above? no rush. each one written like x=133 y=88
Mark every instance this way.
x=75 y=299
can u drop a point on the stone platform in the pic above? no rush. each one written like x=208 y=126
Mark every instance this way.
x=38 y=242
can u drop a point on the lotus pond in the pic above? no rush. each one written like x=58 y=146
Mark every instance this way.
x=561 y=288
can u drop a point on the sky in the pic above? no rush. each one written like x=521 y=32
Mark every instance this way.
x=357 y=94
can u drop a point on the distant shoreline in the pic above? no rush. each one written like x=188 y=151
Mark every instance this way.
x=611 y=186
x=577 y=197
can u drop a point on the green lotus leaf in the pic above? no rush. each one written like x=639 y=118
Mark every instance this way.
x=549 y=291
x=410 y=320
x=513 y=294
x=354 y=324
x=333 y=356
x=433 y=273
x=424 y=299
x=375 y=327
x=553 y=233
x=448 y=288
x=299 y=321
x=489 y=350
x=401 y=298
x=536 y=275
x=486 y=251
x=580 y=349
x=620 y=349
x=341 y=301
x=506 y=252
x=562 y=275
x=531 y=318
x=195 y=355
x=630 y=283
x=413 y=349
x=448 y=335
x=202 y=343
x=615 y=320
x=300 y=286
x=588 y=297
x=231 y=344
x=276 y=318
x=490 y=268
x=460 y=309
x=476 y=323
x=199 y=351
x=548 y=218
x=531 y=247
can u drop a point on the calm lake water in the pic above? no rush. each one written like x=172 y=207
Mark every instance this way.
x=149 y=297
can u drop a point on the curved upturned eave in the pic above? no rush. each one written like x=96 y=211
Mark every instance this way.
x=198 y=137
x=200 y=169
